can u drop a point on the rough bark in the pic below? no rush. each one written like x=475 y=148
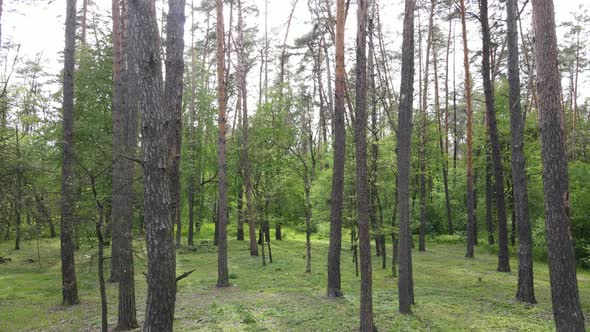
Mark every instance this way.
x=222 y=274
x=173 y=102
x=123 y=193
x=68 y=270
x=118 y=181
x=424 y=132
x=503 y=256
x=161 y=272
x=470 y=194
x=243 y=58
x=192 y=139
x=362 y=185
x=567 y=310
x=525 y=290
x=403 y=158
x=337 y=197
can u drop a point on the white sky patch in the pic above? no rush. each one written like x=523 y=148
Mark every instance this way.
x=39 y=29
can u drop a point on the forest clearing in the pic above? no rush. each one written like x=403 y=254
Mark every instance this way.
x=455 y=293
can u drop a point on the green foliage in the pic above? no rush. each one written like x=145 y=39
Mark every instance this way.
x=579 y=173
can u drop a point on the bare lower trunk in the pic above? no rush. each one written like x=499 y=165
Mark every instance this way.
x=525 y=289
x=68 y=271
x=222 y=271
x=159 y=224
x=122 y=205
x=503 y=257
x=308 y=215
x=362 y=185
x=403 y=158
x=250 y=216
x=173 y=102
x=471 y=232
x=567 y=310
x=337 y=197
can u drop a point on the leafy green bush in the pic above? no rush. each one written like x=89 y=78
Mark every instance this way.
x=446 y=238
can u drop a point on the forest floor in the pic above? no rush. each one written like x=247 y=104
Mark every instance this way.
x=452 y=292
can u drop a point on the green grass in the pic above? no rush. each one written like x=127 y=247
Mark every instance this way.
x=452 y=292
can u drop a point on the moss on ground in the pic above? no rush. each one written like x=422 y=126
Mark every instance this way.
x=452 y=292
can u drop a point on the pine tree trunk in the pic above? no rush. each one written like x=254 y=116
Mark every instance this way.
x=441 y=143
x=118 y=181
x=222 y=273
x=159 y=224
x=173 y=103
x=374 y=131
x=424 y=132
x=567 y=310
x=403 y=159
x=525 y=290
x=122 y=205
x=250 y=215
x=489 y=199
x=68 y=270
x=362 y=185
x=503 y=256
x=337 y=197
x=471 y=232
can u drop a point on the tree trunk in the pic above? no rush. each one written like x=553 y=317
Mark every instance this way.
x=525 y=290
x=376 y=220
x=337 y=197
x=307 y=227
x=68 y=270
x=362 y=185
x=243 y=58
x=503 y=256
x=192 y=136
x=222 y=274
x=403 y=159
x=424 y=132
x=159 y=224
x=441 y=144
x=489 y=199
x=470 y=194
x=18 y=199
x=567 y=310
x=123 y=197
x=84 y=21
x=173 y=102
x=118 y=181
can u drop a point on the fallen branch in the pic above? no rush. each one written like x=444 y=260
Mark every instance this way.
x=184 y=275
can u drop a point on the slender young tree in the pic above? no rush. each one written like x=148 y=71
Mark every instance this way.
x=243 y=72
x=173 y=102
x=424 y=131
x=161 y=272
x=192 y=135
x=567 y=310
x=68 y=270
x=118 y=181
x=470 y=192
x=403 y=158
x=337 y=198
x=503 y=257
x=222 y=274
x=526 y=291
